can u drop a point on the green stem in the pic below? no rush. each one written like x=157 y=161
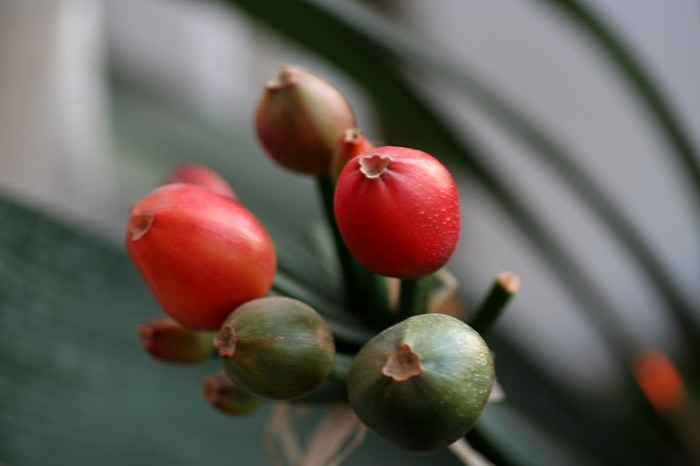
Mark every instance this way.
x=413 y=297
x=350 y=280
x=341 y=368
x=365 y=292
x=489 y=449
x=505 y=286
x=348 y=333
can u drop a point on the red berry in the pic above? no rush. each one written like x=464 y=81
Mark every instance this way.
x=398 y=211
x=352 y=143
x=202 y=254
x=192 y=173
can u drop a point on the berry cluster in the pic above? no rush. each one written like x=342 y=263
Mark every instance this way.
x=421 y=378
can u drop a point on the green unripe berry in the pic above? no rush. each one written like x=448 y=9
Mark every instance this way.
x=276 y=348
x=422 y=383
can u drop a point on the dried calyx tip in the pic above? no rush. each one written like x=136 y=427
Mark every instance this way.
x=146 y=336
x=213 y=388
x=286 y=77
x=509 y=282
x=402 y=364
x=211 y=391
x=374 y=165
x=139 y=225
x=226 y=341
x=351 y=135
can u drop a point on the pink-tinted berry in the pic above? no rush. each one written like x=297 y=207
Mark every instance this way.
x=300 y=119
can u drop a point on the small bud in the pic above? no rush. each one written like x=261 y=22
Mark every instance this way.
x=277 y=348
x=167 y=340
x=201 y=254
x=227 y=397
x=191 y=173
x=352 y=143
x=300 y=119
x=422 y=383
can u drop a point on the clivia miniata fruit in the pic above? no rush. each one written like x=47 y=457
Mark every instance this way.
x=422 y=383
x=277 y=348
x=397 y=210
x=300 y=118
x=202 y=254
x=193 y=173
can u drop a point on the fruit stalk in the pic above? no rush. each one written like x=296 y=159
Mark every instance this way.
x=505 y=286
x=364 y=291
x=414 y=296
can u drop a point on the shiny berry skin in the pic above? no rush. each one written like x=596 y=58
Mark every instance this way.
x=398 y=211
x=202 y=254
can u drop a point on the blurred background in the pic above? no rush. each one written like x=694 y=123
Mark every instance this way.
x=574 y=150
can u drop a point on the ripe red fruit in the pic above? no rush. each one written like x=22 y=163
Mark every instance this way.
x=398 y=211
x=192 y=173
x=352 y=143
x=202 y=254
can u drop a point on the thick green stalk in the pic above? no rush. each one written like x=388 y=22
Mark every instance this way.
x=341 y=368
x=351 y=280
x=365 y=292
x=505 y=286
x=349 y=335
x=413 y=296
